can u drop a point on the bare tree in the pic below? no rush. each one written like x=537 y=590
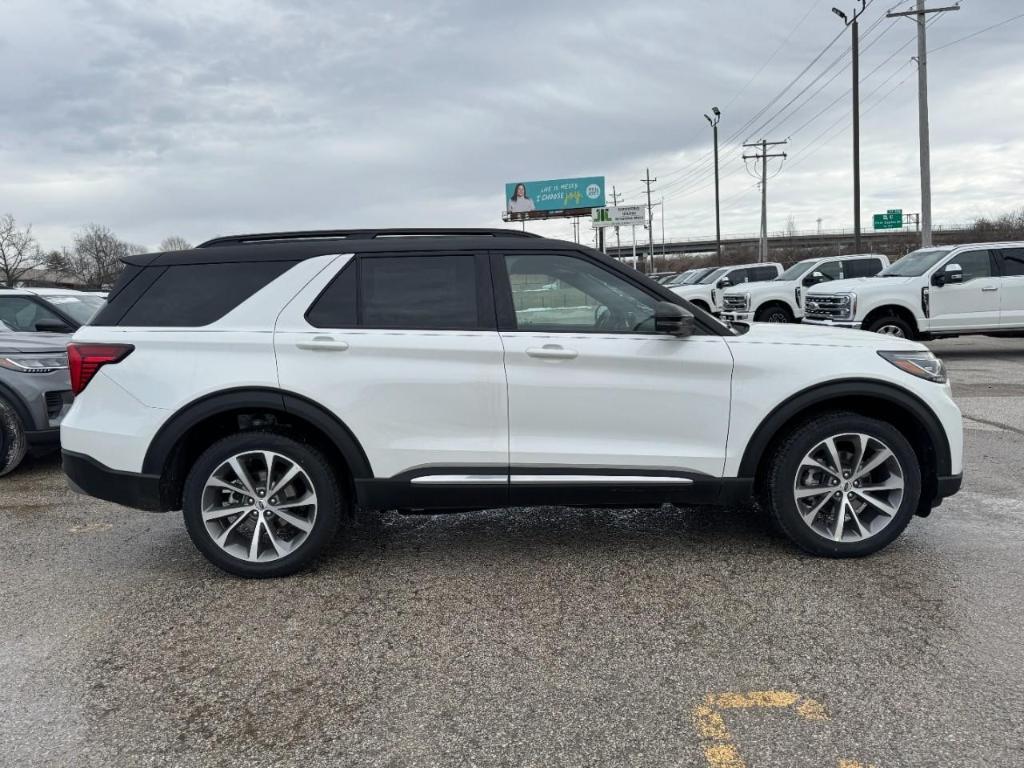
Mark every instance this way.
x=95 y=259
x=175 y=243
x=19 y=251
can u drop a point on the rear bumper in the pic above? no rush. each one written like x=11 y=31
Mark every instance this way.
x=947 y=486
x=88 y=476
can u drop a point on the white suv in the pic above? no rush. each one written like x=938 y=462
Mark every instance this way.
x=706 y=293
x=267 y=385
x=931 y=293
x=781 y=300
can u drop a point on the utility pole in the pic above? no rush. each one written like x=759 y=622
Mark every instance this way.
x=650 y=215
x=615 y=204
x=764 y=156
x=662 y=228
x=920 y=13
x=854 y=26
x=718 y=219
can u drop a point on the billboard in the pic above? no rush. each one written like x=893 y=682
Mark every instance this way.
x=622 y=216
x=532 y=199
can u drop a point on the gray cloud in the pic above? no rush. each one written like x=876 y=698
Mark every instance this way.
x=197 y=118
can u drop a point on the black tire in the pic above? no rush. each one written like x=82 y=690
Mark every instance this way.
x=13 y=444
x=701 y=305
x=786 y=464
x=881 y=324
x=774 y=313
x=329 y=497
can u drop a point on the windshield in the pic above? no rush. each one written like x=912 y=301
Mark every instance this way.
x=81 y=308
x=797 y=270
x=710 y=278
x=915 y=264
x=688 y=277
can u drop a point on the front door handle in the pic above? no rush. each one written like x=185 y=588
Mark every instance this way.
x=323 y=344
x=988 y=288
x=552 y=352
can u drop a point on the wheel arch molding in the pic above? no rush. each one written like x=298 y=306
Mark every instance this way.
x=850 y=395
x=166 y=444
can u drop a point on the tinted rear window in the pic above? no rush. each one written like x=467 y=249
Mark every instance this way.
x=191 y=295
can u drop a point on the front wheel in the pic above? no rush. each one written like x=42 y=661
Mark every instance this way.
x=261 y=504
x=774 y=313
x=13 y=443
x=891 y=326
x=844 y=485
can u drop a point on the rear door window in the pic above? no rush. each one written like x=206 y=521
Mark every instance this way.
x=409 y=292
x=862 y=267
x=1011 y=261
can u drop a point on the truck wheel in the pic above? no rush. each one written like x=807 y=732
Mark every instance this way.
x=13 y=444
x=701 y=305
x=773 y=313
x=843 y=485
x=260 y=504
x=890 y=325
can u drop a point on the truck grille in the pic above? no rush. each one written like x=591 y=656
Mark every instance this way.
x=826 y=308
x=734 y=303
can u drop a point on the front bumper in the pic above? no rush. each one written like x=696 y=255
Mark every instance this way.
x=854 y=324
x=88 y=476
x=738 y=317
x=43 y=441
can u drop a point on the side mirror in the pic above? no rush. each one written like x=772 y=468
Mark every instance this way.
x=725 y=282
x=814 y=278
x=672 y=319
x=53 y=325
x=953 y=273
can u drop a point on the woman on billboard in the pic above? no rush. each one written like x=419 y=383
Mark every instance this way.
x=519 y=202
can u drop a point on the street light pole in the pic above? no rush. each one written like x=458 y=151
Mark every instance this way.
x=854 y=26
x=718 y=220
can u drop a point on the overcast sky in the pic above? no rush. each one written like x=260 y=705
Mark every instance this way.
x=200 y=118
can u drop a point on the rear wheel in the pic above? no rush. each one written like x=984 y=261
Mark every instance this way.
x=774 y=313
x=261 y=504
x=13 y=443
x=844 y=485
x=890 y=325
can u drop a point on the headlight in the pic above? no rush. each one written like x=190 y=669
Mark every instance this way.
x=924 y=365
x=746 y=301
x=848 y=302
x=35 y=363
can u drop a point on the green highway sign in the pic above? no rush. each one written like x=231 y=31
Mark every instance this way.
x=891 y=219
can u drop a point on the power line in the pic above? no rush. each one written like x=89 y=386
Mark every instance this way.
x=980 y=31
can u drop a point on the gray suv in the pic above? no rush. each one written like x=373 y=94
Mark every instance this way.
x=35 y=393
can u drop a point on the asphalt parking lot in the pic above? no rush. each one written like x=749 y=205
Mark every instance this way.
x=540 y=637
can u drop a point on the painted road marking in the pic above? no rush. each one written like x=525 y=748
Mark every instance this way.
x=719 y=749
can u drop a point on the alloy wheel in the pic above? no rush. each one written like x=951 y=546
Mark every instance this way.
x=259 y=506
x=891 y=330
x=849 y=487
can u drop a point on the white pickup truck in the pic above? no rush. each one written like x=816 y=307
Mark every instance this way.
x=930 y=293
x=706 y=293
x=781 y=300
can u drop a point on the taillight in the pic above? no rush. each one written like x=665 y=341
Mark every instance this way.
x=85 y=359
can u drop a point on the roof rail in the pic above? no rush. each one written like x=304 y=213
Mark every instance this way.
x=359 y=234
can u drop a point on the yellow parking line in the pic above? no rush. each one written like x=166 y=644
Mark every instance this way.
x=717 y=742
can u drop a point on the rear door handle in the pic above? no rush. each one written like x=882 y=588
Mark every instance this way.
x=552 y=352
x=323 y=344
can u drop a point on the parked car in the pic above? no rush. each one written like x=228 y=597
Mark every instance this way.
x=706 y=293
x=688 y=277
x=659 y=276
x=46 y=310
x=35 y=393
x=268 y=384
x=781 y=300
x=931 y=293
